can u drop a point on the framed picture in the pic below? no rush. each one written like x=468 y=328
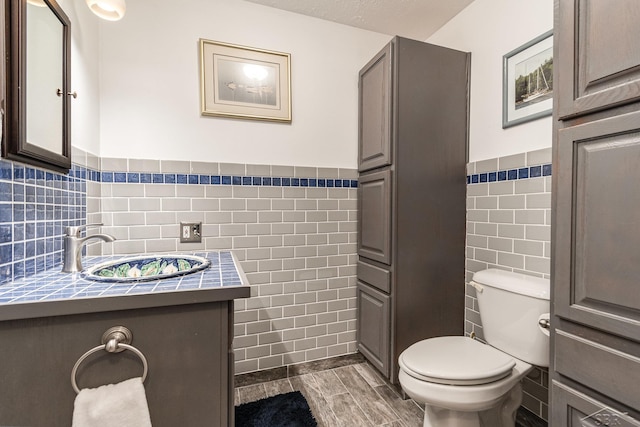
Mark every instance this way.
x=244 y=82
x=527 y=81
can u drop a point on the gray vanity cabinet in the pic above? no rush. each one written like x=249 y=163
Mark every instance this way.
x=188 y=349
x=595 y=365
x=411 y=198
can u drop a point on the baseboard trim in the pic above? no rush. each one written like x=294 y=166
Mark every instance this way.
x=281 y=372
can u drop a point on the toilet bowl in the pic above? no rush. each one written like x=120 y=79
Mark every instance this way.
x=459 y=404
x=465 y=383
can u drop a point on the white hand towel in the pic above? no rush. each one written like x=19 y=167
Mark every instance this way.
x=114 y=405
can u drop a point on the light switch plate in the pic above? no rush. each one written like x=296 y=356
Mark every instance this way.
x=190 y=232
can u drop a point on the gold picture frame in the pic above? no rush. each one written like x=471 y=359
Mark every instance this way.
x=244 y=82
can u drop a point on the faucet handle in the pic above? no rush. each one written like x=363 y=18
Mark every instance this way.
x=75 y=230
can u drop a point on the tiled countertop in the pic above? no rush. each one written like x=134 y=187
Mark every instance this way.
x=53 y=293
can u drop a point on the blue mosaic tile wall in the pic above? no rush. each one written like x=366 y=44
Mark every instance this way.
x=35 y=207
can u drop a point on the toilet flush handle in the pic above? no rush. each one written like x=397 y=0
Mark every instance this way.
x=478 y=286
x=544 y=324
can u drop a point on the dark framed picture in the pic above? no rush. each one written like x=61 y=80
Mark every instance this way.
x=244 y=82
x=527 y=81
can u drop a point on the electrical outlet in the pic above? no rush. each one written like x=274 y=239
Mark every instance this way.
x=190 y=232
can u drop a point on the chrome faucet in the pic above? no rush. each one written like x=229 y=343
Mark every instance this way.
x=73 y=244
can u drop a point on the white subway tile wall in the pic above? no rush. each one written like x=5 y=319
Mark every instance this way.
x=509 y=227
x=297 y=245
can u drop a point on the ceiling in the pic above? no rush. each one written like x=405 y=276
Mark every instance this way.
x=416 y=19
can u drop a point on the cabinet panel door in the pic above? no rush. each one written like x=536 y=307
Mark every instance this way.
x=374 y=216
x=186 y=348
x=598 y=54
x=374 y=133
x=575 y=409
x=373 y=326
x=619 y=383
x=597 y=229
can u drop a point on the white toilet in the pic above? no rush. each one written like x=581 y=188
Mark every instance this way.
x=465 y=383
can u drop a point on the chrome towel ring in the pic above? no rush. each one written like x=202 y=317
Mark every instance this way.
x=114 y=340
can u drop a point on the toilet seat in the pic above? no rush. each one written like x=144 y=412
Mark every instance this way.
x=455 y=360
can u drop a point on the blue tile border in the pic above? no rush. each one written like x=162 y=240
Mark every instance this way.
x=510 y=174
x=199 y=179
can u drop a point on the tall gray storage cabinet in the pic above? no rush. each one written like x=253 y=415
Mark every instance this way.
x=595 y=336
x=411 y=198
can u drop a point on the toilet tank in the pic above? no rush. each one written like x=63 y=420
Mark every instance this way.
x=511 y=306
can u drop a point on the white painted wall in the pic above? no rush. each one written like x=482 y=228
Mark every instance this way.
x=149 y=85
x=489 y=29
x=85 y=72
x=139 y=91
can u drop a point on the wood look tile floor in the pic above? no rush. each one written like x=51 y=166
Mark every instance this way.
x=349 y=396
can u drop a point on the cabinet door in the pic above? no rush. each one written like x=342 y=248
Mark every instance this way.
x=575 y=409
x=374 y=216
x=373 y=326
x=597 y=55
x=597 y=226
x=185 y=346
x=597 y=351
x=374 y=133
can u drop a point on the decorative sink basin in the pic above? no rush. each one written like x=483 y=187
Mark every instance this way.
x=146 y=267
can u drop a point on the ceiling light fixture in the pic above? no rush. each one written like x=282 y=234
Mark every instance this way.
x=111 y=10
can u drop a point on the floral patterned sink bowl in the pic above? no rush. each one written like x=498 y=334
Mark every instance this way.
x=146 y=267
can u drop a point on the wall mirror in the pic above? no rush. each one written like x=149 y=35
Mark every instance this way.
x=37 y=94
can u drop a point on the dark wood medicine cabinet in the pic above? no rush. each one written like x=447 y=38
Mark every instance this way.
x=35 y=91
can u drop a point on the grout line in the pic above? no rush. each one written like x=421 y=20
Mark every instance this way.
x=331 y=406
x=392 y=408
x=352 y=397
x=374 y=390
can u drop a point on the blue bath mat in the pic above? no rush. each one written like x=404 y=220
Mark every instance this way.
x=283 y=410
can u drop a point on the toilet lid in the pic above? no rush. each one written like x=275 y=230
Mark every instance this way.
x=455 y=360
